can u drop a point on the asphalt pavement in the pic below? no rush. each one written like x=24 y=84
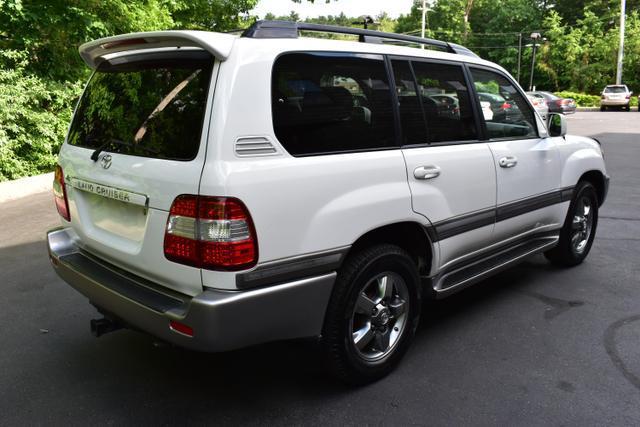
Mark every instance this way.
x=535 y=345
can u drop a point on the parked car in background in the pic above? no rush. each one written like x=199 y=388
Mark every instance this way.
x=555 y=103
x=617 y=96
x=540 y=106
x=448 y=105
x=499 y=105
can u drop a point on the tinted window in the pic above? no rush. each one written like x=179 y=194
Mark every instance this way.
x=153 y=106
x=414 y=130
x=325 y=103
x=505 y=111
x=615 y=89
x=446 y=102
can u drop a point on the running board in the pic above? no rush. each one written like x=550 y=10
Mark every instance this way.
x=451 y=281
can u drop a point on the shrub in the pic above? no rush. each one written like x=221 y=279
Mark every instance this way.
x=34 y=116
x=584 y=100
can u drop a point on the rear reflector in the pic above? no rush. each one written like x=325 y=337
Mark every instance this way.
x=215 y=233
x=181 y=327
x=60 y=194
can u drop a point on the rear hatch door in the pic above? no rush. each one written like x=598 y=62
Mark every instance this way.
x=138 y=140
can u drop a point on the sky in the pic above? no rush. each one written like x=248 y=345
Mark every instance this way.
x=320 y=8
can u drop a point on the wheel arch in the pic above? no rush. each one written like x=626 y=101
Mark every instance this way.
x=596 y=178
x=410 y=236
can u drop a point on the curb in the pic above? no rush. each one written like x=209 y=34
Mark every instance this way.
x=23 y=187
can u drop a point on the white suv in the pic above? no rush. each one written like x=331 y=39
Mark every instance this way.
x=618 y=96
x=220 y=191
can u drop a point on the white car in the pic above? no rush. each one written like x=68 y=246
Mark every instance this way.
x=221 y=191
x=618 y=96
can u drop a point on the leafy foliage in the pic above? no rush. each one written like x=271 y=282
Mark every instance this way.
x=34 y=115
x=42 y=75
x=581 y=37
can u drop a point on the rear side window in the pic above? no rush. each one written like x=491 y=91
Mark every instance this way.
x=327 y=103
x=446 y=102
x=414 y=130
x=506 y=113
x=149 y=105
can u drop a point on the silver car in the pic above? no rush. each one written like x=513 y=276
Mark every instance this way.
x=618 y=96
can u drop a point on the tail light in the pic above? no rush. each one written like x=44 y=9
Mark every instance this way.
x=628 y=96
x=505 y=106
x=214 y=233
x=60 y=194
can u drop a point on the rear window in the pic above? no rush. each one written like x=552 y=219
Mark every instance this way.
x=149 y=105
x=615 y=89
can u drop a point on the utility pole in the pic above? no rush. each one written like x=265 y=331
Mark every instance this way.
x=621 y=47
x=519 y=55
x=424 y=19
x=534 y=37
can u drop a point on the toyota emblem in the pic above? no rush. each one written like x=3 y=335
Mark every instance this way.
x=106 y=161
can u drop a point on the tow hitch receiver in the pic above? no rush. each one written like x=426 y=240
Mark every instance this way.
x=103 y=326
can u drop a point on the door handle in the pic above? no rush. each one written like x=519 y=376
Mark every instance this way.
x=426 y=172
x=508 y=161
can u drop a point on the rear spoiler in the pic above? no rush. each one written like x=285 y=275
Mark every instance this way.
x=218 y=44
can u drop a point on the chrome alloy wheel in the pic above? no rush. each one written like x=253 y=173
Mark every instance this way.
x=582 y=225
x=379 y=316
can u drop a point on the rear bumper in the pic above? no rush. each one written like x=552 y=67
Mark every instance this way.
x=221 y=320
x=614 y=102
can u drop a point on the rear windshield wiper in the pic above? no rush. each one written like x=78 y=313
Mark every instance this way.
x=114 y=141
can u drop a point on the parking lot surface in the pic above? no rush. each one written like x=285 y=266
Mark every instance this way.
x=535 y=345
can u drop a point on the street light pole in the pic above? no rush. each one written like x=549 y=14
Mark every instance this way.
x=519 y=55
x=424 y=16
x=534 y=37
x=621 y=47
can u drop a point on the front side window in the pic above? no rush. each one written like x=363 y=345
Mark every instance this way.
x=327 y=103
x=149 y=105
x=504 y=109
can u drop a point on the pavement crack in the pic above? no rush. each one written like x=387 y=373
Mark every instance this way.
x=619 y=218
x=555 y=306
x=612 y=349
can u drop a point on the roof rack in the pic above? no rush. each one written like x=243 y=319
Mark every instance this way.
x=290 y=30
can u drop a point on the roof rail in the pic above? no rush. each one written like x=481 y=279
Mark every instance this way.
x=290 y=29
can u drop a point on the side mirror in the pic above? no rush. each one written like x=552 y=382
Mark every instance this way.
x=557 y=124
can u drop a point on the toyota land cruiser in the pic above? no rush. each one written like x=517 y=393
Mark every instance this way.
x=220 y=191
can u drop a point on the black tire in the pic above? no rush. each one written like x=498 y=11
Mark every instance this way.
x=357 y=273
x=602 y=108
x=566 y=254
